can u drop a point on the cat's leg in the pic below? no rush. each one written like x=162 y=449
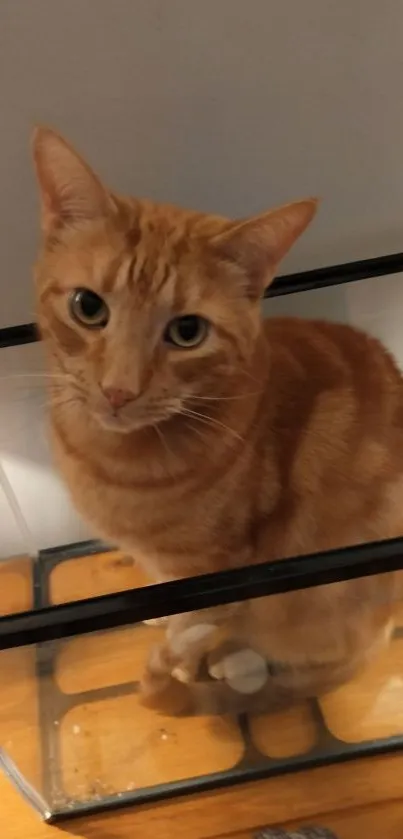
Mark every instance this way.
x=188 y=641
x=173 y=666
x=197 y=669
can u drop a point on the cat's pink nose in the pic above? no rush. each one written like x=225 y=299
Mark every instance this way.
x=118 y=398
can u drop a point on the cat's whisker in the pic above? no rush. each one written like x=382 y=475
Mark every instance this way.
x=239 y=372
x=224 y=398
x=62 y=402
x=211 y=421
x=25 y=399
x=23 y=391
x=164 y=443
x=45 y=376
x=253 y=379
x=195 y=430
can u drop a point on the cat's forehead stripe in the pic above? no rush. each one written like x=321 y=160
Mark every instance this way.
x=164 y=274
x=136 y=270
x=124 y=275
x=146 y=276
x=114 y=270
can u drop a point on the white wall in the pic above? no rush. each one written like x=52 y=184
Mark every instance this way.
x=225 y=105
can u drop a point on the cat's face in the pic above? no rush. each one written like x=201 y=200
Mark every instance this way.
x=148 y=311
x=146 y=329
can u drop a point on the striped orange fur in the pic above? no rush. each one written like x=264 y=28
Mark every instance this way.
x=262 y=439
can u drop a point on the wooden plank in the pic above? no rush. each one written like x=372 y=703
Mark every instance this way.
x=237 y=813
x=103 y=659
x=285 y=733
x=94 y=575
x=15 y=585
x=384 y=821
x=371 y=706
x=303 y=796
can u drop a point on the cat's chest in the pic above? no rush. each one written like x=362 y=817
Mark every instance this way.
x=188 y=522
x=125 y=507
x=172 y=518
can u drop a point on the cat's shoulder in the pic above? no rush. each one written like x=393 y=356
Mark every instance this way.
x=320 y=333
x=327 y=344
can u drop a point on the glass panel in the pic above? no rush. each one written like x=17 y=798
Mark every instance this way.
x=16 y=564
x=20 y=727
x=78 y=731
x=91 y=574
x=28 y=478
x=63 y=576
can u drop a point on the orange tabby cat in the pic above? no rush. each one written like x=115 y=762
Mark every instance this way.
x=199 y=437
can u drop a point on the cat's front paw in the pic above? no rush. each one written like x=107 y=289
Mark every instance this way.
x=243 y=670
x=174 y=665
x=159 y=689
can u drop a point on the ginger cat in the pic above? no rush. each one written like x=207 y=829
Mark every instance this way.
x=199 y=437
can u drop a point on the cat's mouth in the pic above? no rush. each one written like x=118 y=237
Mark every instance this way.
x=118 y=423
x=122 y=422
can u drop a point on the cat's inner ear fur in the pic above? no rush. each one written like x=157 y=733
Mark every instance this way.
x=70 y=191
x=257 y=245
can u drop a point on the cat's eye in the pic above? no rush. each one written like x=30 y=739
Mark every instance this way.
x=88 y=308
x=186 y=332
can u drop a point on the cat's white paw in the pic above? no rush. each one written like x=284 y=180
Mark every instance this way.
x=191 y=639
x=217 y=670
x=244 y=671
x=182 y=674
x=188 y=646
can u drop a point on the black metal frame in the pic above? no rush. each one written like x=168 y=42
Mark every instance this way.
x=46 y=623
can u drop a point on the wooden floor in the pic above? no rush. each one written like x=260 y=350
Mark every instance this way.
x=113 y=744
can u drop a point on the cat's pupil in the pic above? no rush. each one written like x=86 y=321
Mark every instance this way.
x=90 y=303
x=188 y=328
x=88 y=309
x=186 y=332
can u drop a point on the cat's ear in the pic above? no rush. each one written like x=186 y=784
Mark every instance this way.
x=257 y=245
x=70 y=191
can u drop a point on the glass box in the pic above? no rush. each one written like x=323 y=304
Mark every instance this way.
x=77 y=735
